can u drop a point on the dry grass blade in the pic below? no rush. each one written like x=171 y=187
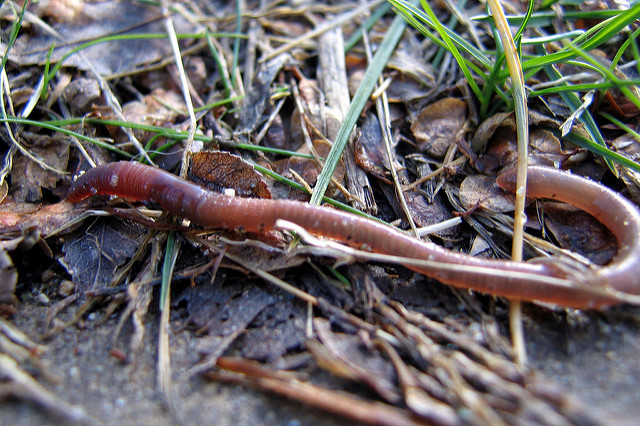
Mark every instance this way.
x=522 y=122
x=358 y=335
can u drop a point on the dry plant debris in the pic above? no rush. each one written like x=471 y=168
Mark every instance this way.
x=373 y=343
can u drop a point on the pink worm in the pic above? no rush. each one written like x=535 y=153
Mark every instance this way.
x=547 y=280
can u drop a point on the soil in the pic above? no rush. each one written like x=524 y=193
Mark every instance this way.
x=591 y=356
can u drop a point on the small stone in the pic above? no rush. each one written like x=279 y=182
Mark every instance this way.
x=43 y=298
x=66 y=288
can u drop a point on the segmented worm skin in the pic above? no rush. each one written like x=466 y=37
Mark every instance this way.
x=617 y=213
x=515 y=280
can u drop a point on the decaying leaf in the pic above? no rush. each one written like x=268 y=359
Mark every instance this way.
x=160 y=108
x=426 y=213
x=29 y=178
x=579 y=232
x=82 y=94
x=95 y=20
x=221 y=170
x=370 y=152
x=93 y=254
x=278 y=136
x=482 y=191
x=49 y=219
x=438 y=125
x=501 y=148
x=295 y=168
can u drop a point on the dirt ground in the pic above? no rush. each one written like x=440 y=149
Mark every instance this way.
x=592 y=357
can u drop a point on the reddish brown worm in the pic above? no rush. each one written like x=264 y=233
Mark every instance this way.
x=548 y=280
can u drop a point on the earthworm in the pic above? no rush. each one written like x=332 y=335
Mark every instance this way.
x=548 y=280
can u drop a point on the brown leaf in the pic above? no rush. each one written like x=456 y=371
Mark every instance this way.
x=370 y=152
x=438 y=125
x=278 y=136
x=221 y=170
x=487 y=128
x=92 y=20
x=580 y=232
x=482 y=191
x=47 y=219
x=82 y=93
x=93 y=254
x=160 y=108
x=426 y=213
x=502 y=151
x=28 y=178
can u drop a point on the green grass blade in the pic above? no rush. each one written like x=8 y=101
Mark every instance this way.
x=15 y=29
x=97 y=142
x=366 y=26
x=593 y=38
x=621 y=125
x=451 y=47
x=573 y=102
x=357 y=104
x=603 y=151
x=170 y=256
x=417 y=18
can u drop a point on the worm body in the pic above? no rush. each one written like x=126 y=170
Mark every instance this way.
x=543 y=281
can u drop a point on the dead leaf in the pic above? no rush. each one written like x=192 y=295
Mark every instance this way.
x=482 y=191
x=438 y=125
x=82 y=94
x=49 y=219
x=370 y=152
x=96 y=20
x=580 y=232
x=93 y=254
x=487 y=128
x=278 y=136
x=501 y=150
x=28 y=178
x=160 y=108
x=426 y=213
x=304 y=169
x=221 y=170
